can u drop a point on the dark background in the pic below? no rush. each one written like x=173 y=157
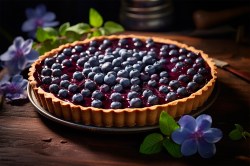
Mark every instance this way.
x=12 y=13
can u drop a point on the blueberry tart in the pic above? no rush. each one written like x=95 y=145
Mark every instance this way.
x=122 y=81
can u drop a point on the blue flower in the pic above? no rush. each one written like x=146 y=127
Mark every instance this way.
x=19 y=56
x=197 y=135
x=14 y=90
x=38 y=17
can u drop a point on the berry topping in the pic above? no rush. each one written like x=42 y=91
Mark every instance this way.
x=153 y=100
x=77 y=98
x=96 y=103
x=135 y=103
x=116 y=105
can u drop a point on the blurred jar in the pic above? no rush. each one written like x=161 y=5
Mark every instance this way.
x=147 y=15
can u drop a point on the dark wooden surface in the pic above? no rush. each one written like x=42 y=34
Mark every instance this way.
x=26 y=138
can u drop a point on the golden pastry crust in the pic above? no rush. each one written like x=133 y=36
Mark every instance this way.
x=128 y=117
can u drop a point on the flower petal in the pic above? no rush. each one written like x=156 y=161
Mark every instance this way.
x=180 y=135
x=40 y=10
x=203 y=122
x=32 y=56
x=50 y=24
x=27 y=45
x=29 y=13
x=187 y=122
x=49 y=16
x=29 y=25
x=212 y=135
x=9 y=54
x=189 y=147
x=22 y=64
x=205 y=149
x=16 y=78
x=12 y=67
x=18 y=42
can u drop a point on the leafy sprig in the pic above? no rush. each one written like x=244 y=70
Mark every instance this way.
x=238 y=133
x=49 y=38
x=155 y=142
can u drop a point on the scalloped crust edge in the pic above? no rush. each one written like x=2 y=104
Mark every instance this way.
x=128 y=117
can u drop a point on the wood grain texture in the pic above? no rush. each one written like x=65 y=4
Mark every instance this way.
x=26 y=138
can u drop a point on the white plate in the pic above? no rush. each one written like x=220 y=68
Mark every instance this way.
x=119 y=130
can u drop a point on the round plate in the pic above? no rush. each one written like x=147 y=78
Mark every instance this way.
x=119 y=130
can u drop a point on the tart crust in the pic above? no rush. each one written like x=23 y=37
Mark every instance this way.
x=128 y=117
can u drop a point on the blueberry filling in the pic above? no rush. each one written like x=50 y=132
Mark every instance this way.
x=122 y=73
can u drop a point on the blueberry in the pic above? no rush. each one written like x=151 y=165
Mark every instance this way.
x=182 y=57
x=179 y=65
x=49 y=61
x=74 y=57
x=110 y=79
x=56 y=72
x=81 y=61
x=163 y=89
x=124 y=82
x=149 y=40
x=183 y=51
x=56 y=66
x=116 y=96
x=163 y=80
x=148 y=45
x=118 y=88
x=46 y=72
x=164 y=47
x=174 y=84
x=108 y=58
x=78 y=48
x=198 y=78
x=116 y=105
x=107 y=42
x=129 y=68
x=192 y=86
x=85 y=92
x=163 y=74
x=192 y=55
x=83 y=54
x=163 y=53
x=77 y=98
x=97 y=94
x=148 y=60
x=200 y=60
x=106 y=67
x=174 y=70
x=162 y=61
x=147 y=93
x=132 y=94
x=93 y=43
x=153 y=100
x=87 y=65
x=63 y=93
x=64 y=83
x=85 y=72
x=142 y=53
x=89 y=84
x=123 y=42
x=67 y=51
x=132 y=60
x=77 y=75
x=135 y=81
x=171 y=96
x=117 y=62
x=91 y=50
x=158 y=66
x=172 y=46
x=136 y=88
x=96 y=69
x=188 y=61
x=184 y=78
x=96 y=103
x=174 y=60
x=203 y=71
x=144 y=77
x=93 y=61
x=173 y=52
x=54 y=88
x=135 y=103
x=72 y=88
x=91 y=75
x=66 y=62
x=138 y=44
x=104 y=88
x=134 y=73
x=152 y=83
x=123 y=73
x=182 y=91
x=150 y=69
x=191 y=71
x=137 y=56
x=55 y=80
x=99 y=78
x=137 y=67
x=61 y=57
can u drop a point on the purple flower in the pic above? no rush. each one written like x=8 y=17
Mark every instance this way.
x=197 y=135
x=14 y=90
x=19 y=56
x=38 y=17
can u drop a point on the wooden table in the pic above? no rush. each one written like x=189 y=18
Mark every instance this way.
x=26 y=138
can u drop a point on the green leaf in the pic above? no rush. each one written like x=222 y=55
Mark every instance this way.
x=63 y=28
x=239 y=127
x=235 y=135
x=113 y=27
x=96 y=33
x=103 y=31
x=152 y=144
x=72 y=36
x=167 y=123
x=95 y=19
x=79 y=28
x=43 y=34
x=172 y=148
